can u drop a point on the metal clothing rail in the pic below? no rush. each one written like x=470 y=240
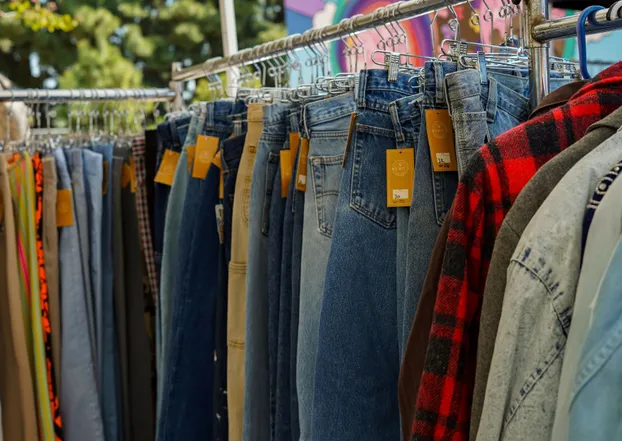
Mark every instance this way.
x=67 y=95
x=391 y=13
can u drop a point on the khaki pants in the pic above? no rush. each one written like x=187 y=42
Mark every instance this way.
x=236 y=314
x=19 y=415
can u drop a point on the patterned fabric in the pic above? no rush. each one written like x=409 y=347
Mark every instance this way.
x=43 y=292
x=495 y=176
x=599 y=193
x=142 y=209
x=23 y=193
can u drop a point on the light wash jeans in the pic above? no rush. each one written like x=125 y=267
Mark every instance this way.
x=326 y=125
x=93 y=178
x=79 y=400
x=257 y=404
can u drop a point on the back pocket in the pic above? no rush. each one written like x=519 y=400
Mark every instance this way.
x=326 y=175
x=368 y=195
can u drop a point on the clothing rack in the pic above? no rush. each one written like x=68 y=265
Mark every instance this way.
x=68 y=95
x=540 y=31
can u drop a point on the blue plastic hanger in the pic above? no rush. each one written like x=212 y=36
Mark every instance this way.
x=587 y=14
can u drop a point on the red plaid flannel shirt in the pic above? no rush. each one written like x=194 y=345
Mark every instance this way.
x=493 y=180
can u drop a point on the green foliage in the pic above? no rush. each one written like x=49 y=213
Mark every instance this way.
x=37 y=17
x=128 y=43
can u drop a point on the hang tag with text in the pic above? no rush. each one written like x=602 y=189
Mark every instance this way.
x=286 y=171
x=220 y=222
x=400 y=177
x=204 y=154
x=349 y=139
x=133 y=175
x=105 y=179
x=125 y=176
x=301 y=174
x=190 y=151
x=64 y=208
x=166 y=172
x=294 y=142
x=441 y=140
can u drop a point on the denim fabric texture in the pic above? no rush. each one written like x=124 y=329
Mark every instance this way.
x=93 y=180
x=81 y=411
x=356 y=382
x=170 y=251
x=325 y=123
x=432 y=195
x=595 y=409
x=258 y=407
x=231 y=153
x=76 y=168
x=285 y=426
x=406 y=136
x=187 y=404
x=108 y=354
x=171 y=135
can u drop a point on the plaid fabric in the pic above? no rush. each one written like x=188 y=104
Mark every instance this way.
x=494 y=178
x=142 y=209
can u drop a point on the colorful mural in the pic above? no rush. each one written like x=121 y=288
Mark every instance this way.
x=425 y=33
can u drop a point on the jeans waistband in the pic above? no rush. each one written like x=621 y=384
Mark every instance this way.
x=232 y=149
x=434 y=73
x=255 y=112
x=376 y=92
x=326 y=110
x=400 y=111
x=168 y=132
x=506 y=92
x=217 y=116
x=276 y=113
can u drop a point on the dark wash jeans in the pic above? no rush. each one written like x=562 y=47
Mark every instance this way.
x=231 y=153
x=171 y=135
x=357 y=355
x=188 y=401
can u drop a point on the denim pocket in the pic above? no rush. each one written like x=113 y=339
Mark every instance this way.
x=470 y=131
x=271 y=169
x=326 y=174
x=368 y=195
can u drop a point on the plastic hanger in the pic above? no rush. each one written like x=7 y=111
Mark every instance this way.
x=586 y=14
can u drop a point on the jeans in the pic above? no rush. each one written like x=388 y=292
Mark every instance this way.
x=187 y=404
x=406 y=136
x=326 y=125
x=76 y=168
x=236 y=298
x=257 y=398
x=170 y=252
x=432 y=195
x=171 y=135
x=107 y=360
x=231 y=153
x=93 y=164
x=357 y=353
x=82 y=417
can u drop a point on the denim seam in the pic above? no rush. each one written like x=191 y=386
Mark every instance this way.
x=328 y=135
x=373 y=130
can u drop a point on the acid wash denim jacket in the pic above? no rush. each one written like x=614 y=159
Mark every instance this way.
x=521 y=394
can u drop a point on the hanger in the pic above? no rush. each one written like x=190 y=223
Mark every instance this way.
x=588 y=14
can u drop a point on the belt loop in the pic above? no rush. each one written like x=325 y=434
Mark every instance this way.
x=399 y=133
x=447 y=97
x=209 y=116
x=439 y=78
x=491 y=104
x=305 y=124
x=362 y=88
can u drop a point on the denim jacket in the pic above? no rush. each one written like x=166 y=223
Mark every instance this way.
x=521 y=394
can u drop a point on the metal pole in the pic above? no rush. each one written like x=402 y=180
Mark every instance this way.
x=565 y=27
x=536 y=12
x=229 y=33
x=177 y=87
x=66 y=95
x=391 y=13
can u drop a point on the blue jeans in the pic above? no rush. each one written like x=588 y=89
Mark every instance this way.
x=357 y=353
x=108 y=353
x=187 y=404
x=171 y=135
x=257 y=397
x=231 y=153
x=432 y=195
x=326 y=125
x=79 y=400
x=93 y=178
x=76 y=168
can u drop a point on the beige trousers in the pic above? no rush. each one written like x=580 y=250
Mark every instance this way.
x=236 y=314
x=19 y=415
